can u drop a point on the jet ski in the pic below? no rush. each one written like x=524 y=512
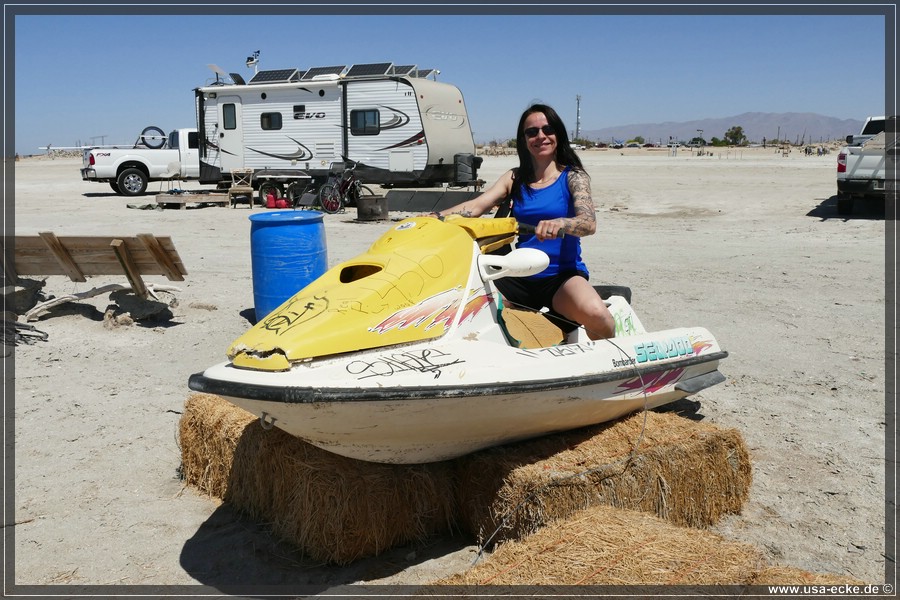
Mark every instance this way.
x=402 y=354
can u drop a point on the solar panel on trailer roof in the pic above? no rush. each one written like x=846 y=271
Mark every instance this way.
x=275 y=76
x=369 y=69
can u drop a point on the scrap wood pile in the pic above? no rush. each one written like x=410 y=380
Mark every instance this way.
x=604 y=545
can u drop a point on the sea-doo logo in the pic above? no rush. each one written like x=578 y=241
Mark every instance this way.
x=662 y=349
x=308 y=115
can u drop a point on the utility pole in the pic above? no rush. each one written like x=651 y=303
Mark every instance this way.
x=577 y=116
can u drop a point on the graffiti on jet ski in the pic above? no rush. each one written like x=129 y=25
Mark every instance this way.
x=427 y=360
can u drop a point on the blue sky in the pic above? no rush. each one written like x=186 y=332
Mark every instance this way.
x=80 y=77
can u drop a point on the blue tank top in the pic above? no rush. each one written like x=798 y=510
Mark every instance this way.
x=551 y=202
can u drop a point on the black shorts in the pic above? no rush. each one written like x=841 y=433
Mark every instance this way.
x=537 y=293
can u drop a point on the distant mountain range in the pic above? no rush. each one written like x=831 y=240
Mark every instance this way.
x=793 y=127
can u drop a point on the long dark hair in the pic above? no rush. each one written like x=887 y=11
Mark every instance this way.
x=565 y=154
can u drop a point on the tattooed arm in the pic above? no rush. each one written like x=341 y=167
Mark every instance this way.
x=484 y=202
x=584 y=222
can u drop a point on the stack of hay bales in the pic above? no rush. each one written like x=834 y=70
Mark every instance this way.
x=337 y=509
x=687 y=472
x=333 y=508
x=604 y=545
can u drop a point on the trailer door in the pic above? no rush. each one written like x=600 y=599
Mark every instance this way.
x=231 y=133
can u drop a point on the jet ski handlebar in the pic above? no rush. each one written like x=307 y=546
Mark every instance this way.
x=527 y=228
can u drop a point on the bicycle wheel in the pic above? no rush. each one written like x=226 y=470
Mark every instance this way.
x=330 y=199
x=356 y=192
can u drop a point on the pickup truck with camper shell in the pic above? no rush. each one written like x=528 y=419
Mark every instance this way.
x=153 y=157
x=861 y=165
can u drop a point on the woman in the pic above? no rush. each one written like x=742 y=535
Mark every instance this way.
x=551 y=191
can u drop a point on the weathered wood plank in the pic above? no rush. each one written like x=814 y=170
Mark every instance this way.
x=131 y=272
x=62 y=256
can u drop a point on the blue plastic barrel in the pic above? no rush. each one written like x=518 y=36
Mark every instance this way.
x=287 y=252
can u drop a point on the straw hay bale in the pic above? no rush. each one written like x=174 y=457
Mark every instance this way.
x=603 y=545
x=333 y=508
x=688 y=472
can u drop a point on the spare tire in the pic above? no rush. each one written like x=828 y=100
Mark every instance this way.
x=153 y=137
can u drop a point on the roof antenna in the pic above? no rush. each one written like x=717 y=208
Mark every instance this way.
x=253 y=61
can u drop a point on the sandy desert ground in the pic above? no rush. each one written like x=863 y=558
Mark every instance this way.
x=747 y=243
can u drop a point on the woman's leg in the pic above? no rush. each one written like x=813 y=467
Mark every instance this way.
x=578 y=301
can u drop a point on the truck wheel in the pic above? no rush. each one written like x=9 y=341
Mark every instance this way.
x=115 y=187
x=845 y=205
x=153 y=137
x=132 y=182
x=269 y=186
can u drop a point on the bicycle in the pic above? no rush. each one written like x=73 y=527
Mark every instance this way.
x=342 y=190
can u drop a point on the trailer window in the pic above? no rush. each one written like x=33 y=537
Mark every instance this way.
x=365 y=122
x=269 y=121
x=229 y=116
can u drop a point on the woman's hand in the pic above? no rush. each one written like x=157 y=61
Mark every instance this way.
x=550 y=230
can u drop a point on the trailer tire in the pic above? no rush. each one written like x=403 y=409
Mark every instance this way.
x=269 y=186
x=153 y=137
x=132 y=182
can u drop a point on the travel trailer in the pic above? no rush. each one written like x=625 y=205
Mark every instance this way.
x=295 y=126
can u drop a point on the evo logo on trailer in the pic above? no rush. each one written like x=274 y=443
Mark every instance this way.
x=308 y=115
x=454 y=120
x=662 y=349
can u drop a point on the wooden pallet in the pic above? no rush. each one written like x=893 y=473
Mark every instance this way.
x=79 y=257
x=184 y=199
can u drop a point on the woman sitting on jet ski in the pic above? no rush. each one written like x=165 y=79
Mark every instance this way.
x=551 y=191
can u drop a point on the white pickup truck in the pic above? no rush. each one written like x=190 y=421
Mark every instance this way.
x=152 y=158
x=861 y=165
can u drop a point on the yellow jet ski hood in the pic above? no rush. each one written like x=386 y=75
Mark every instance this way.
x=405 y=288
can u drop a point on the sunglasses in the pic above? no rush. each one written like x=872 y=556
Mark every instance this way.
x=531 y=132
